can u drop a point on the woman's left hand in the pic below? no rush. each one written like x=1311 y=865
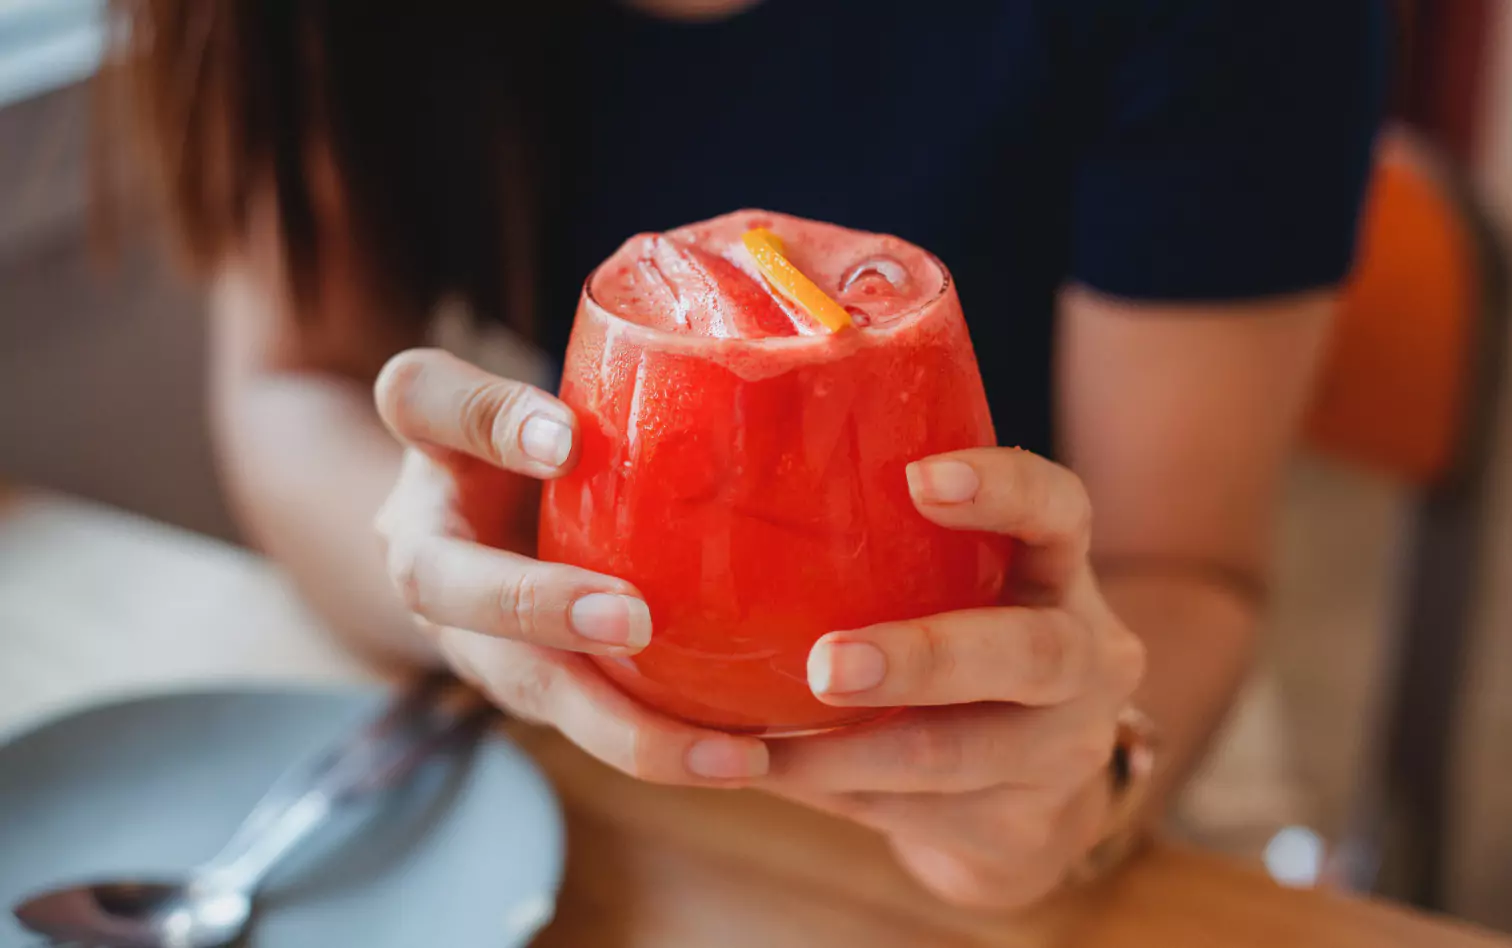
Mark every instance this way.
x=994 y=783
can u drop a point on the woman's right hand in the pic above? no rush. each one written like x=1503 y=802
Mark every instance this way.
x=456 y=532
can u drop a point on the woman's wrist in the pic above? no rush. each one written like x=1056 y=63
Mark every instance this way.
x=1199 y=639
x=1130 y=778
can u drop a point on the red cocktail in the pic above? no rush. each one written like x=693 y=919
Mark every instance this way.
x=743 y=465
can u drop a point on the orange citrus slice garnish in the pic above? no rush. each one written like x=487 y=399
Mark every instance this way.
x=767 y=250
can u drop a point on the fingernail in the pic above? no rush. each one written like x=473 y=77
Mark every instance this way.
x=611 y=619
x=942 y=482
x=840 y=668
x=718 y=759
x=546 y=439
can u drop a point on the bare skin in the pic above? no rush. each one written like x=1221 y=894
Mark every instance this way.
x=987 y=805
x=1177 y=420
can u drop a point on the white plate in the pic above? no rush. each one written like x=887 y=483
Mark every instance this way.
x=470 y=854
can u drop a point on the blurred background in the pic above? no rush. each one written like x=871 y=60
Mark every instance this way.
x=1379 y=715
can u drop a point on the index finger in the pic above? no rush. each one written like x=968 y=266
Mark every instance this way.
x=1013 y=492
x=567 y=692
x=429 y=397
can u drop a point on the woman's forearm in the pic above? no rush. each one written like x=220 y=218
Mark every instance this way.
x=1200 y=637
x=307 y=465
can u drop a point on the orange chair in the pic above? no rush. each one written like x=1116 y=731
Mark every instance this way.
x=1410 y=390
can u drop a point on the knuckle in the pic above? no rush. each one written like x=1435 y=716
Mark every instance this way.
x=1019 y=489
x=930 y=656
x=1046 y=649
x=1039 y=489
x=1045 y=501
x=514 y=401
x=1078 y=507
x=481 y=411
x=517 y=614
x=491 y=419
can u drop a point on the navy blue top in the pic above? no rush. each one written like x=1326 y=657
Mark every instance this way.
x=1151 y=149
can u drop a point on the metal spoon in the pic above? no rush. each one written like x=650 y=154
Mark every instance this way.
x=212 y=906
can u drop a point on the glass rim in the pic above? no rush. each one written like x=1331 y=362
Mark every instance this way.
x=695 y=340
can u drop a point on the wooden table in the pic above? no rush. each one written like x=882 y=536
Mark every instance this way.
x=93 y=602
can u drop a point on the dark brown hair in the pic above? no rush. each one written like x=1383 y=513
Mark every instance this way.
x=427 y=112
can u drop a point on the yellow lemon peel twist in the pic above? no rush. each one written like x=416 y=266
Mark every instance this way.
x=767 y=250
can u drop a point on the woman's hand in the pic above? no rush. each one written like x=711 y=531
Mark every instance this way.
x=456 y=544
x=995 y=782
x=990 y=786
